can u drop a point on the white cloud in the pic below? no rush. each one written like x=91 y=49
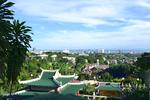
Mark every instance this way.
x=81 y=39
x=86 y=12
x=137 y=27
x=90 y=13
x=144 y=3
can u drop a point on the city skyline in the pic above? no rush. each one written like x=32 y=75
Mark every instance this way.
x=87 y=24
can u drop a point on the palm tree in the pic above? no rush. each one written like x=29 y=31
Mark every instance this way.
x=14 y=43
x=19 y=42
x=5 y=15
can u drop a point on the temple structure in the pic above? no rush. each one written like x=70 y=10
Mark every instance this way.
x=49 y=81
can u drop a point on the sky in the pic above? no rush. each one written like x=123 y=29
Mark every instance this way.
x=86 y=24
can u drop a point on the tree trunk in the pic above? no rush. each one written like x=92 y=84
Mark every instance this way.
x=10 y=85
x=10 y=91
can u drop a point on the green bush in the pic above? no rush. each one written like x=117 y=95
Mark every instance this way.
x=139 y=94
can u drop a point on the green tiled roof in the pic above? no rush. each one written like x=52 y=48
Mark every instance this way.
x=47 y=75
x=45 y=80
x=72 y=88
x=64 y=80
x=32 y=93
x=109 y=87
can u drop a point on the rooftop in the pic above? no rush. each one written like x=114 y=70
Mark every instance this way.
x=72 y=88
x=109 y=87
x=49 y=78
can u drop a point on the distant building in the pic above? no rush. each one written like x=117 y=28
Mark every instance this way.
x=42 y=55
x=54 y=57
x=66 y=51
x=72 y=59
x=103 y=51
x=89 y=67
x=83 y=54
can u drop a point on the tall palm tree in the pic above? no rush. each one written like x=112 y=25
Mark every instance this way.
x=14 y=43
x=19 y=42
x=5 y=15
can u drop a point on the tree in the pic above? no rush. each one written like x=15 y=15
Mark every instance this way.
x=106 y=77
x=14 y=44
x=143 y=62
x=88 y=89
x=121 y=70
x=5 y=15
x=80 y=62
x=19 y=42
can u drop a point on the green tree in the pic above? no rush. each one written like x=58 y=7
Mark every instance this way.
x=19 y=42
x=80 y=62
x=137 y=94
x=122 y=70
x=88 y=89
x=5 y=15
x=143 y=62
x=106 y=77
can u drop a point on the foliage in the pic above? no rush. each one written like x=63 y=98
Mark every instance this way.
x=132 y=80
x=83 y=76
x=106 y=77
x=147 y=77
x=80 y=62
x=123 y=70
x=88 y=89
x=14 y=44
x=143 y=62
x=138 y=94
x=19 y=43
x=5 y=15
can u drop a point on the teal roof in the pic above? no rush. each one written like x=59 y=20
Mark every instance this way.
x=109 y=87
x=32 y=93
x=72 y=88
x=46 y=80
x=47 y=75
x=64 y=80
x=44 y=83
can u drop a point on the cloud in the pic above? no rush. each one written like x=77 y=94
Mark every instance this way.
x=86 y=12
x=83 y=40
x=119 y=27
x=144 y=3
x=137 y=27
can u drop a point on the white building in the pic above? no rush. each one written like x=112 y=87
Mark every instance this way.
x=66 y=51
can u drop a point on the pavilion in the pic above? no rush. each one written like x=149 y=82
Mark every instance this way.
x=49 y=81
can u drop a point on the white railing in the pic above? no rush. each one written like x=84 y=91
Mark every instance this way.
x=94 y=97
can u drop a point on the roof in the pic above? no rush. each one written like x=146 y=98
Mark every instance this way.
x=44 y=83
x=56 y=96
x=64 y=80
x=45 y=79
x=109 y=87
x=27 y=93
x=47 y=75
x=49 y=78
x=31 y=93
x=71 y=88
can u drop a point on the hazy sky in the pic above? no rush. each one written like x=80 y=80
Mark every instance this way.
x=84 y=24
